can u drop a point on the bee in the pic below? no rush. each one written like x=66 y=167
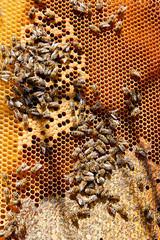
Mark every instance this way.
x=81 y=106
x=5 y=65
x=130 y=165
x=76 y=152
x=95 y=90
x=121 y=210
x=77 y=133
x=120 y=160
x=113 y=123
x=25 y=120
x=17 y=114
x=3 y=50
x=82 y=128
x=72 y=107
x=50 y=14
x=88 y=150
x=21 y=183
x=121 y=10
x=90 y=118
x=35 y=112
x=94 y=28
x=73 y=191
x=105 y=25
x=103 y=138
x=90 y=191
x=82 y=185
x=10 y=215
x=113 y=114
x=54 y=73
x=99 y=126
x=101 y=144
x=88 y=178
x=101 y=172
x=24 y=167
x=83 y=212
x=105 y=131
x=92 y=155
x=16 y=90
x=130 y=105
x=16 y=202
x=133 y=96
x=135 y=74
x=77 y=46
x=15 y=195
x=36 y=168
x=9 y=101
x=140 y=182
x=135 y=112
x=91 y=199
x=6 y=194
x=148 y=214
x=111 y=19
x=111 y=140
x=88 y=173
x=104 y=192
x=32 y=13
x=96 y=106
x=111 y=209
x=99 y=4
x=88 y=144
x=99 y=149
x=126 y=91
x=5 y=178
x=100 y=180
x=66 y=47
x=106 y=166
x=113 y=150
x=54 y=105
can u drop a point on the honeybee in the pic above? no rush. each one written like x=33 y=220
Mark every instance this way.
x=15 y=195
x=16 y=202
x=9 y=232
x=24 y=167
x=147 y=213
x=54 y=105
x=130 y=164
x=90 y=118
x=105 y=131
x=77 y=133
x=74 y=121
x=99 y=4
x=99 y=126
x=135 y=74
x=88 y=144
x=130 y=105
x=5 y=178
x=76 y=152
x=6 y=194
x=100 y=180
x=88 y=150
x=111 y=209
x=77 y=45
x=66 y=47
x=25 y=120
x=94 y=28
x=32 y=13
x=96 y=106
x=95 y=90
x=92 y=155
x=106 y=166
x=54 y=73
x=91 y=199
x=121 y=210
x=103 y=138
x=88 y=178
x=21 y=183
x=120 y=160
x=113 y=150
x=111 y=19
x=72 y=107
x=82 y=185
x=101 y=172
x=36 y=168
x=90 y=191
x=135 y=112
x=73 y=191
x=121 y=10
x=10 y=215
x=101 y=144
x=81 y=105
x=105 y=25
x=113 y=123
x=50 y=14
x=140 y=182
x=99 y=149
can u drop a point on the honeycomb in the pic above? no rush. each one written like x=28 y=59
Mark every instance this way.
x=106 y=61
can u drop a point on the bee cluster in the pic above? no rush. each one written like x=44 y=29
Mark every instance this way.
x=30 y=66
x=96 y=161
x=82 y=8
x=13 y=227
x=132 y=99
